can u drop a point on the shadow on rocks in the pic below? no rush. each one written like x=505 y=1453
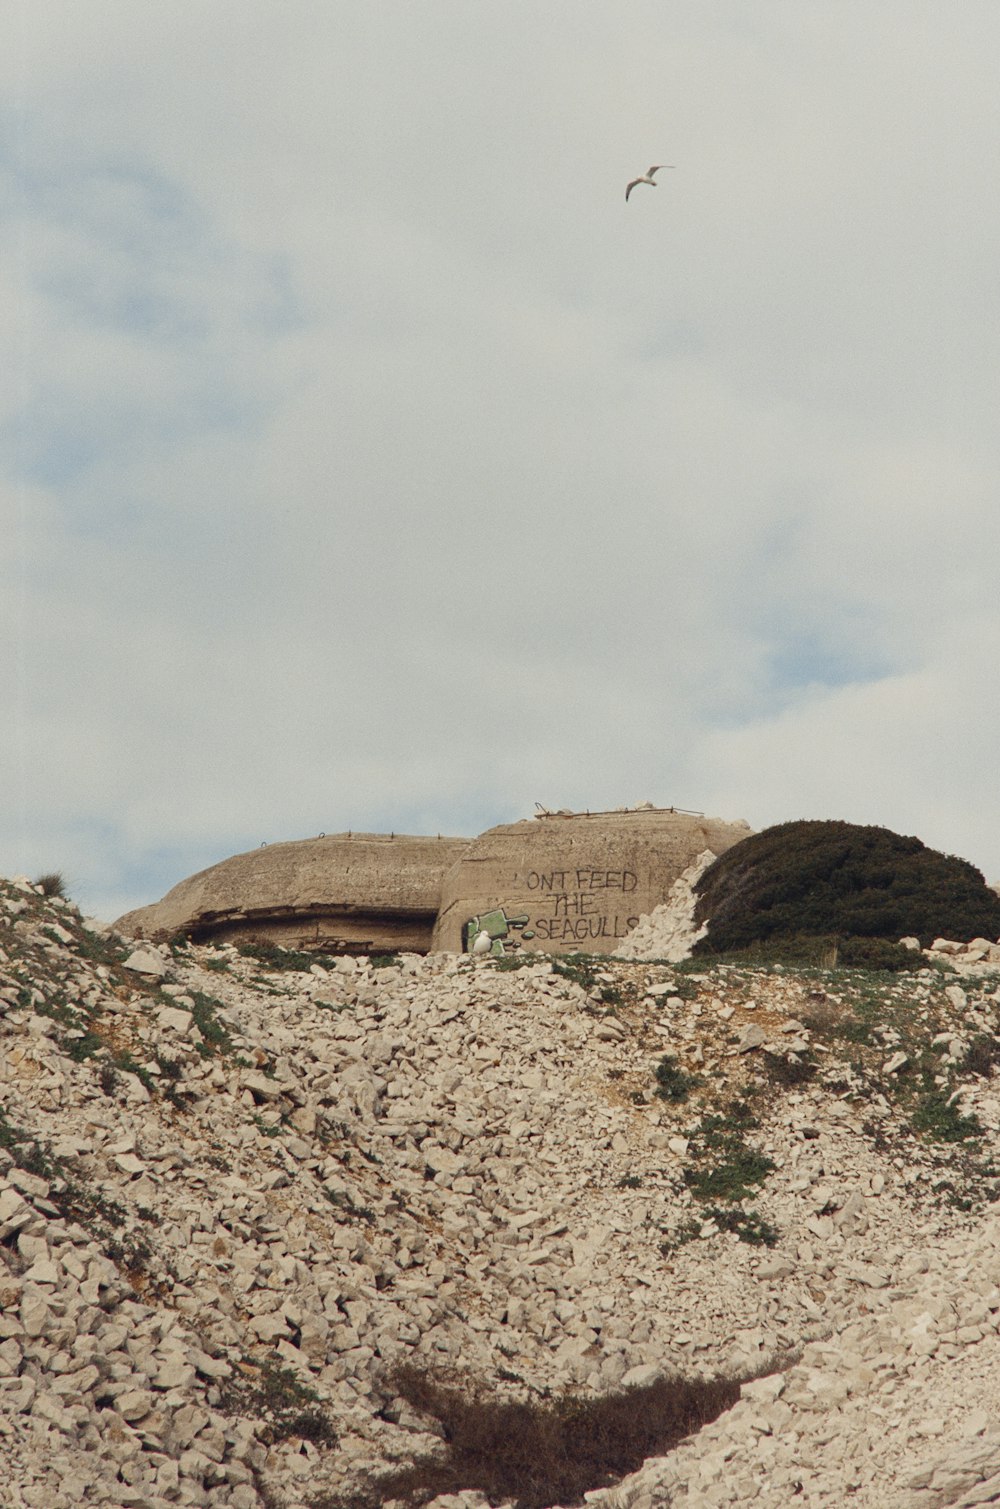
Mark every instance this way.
x=538 y=1453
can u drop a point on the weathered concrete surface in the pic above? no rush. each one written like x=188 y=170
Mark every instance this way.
x=566 y=883
x=344 y=892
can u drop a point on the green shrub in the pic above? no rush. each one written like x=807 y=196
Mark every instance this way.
x=726 y=1167
x=83 y=1047
x=876 y=953
x=672 y=1082
x=982 y=1055
x=747 y=1225
x=731 y=1177
x=52 y=884
x=939 y=1119
x=840 y=882
x=108 y=1080
x=215 y=1035
x=797 y=1069
x=582 y=969
x=678 y=1236
x=822 y=951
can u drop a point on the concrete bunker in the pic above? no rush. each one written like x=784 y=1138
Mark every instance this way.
x=357 y=893
x=570 y=882
x=558 y=883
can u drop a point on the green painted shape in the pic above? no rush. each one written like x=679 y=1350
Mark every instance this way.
x=494 y=923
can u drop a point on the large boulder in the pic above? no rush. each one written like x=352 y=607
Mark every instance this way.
x=343 y=892
x=564 y=883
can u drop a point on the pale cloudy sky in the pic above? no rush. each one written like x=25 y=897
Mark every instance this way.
x=369 y=463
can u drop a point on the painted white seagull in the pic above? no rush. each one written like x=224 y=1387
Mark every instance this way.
x=648 y=177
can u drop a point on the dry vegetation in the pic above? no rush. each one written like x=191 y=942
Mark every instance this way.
x=537 y=1453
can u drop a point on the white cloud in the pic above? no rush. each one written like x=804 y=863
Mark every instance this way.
x=913 y=752
x=376 y=464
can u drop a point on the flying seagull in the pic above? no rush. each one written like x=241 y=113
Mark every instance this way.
x=648 y=177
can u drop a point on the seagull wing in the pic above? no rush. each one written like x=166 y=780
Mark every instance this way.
x=654 y=169
x=631 y=187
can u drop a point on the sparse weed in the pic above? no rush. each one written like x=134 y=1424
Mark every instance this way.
x=272 y=956
x=131 y=1253
x=215 y=1035
x=289 y=1406
x=99 y=1215
x=99 y=950
x=582 y=969
x=27 y=1151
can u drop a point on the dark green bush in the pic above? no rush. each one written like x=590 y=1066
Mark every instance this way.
x=844 y=886
x=672 y=1082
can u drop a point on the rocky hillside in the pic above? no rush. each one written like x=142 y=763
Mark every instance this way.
x=252 y=1202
